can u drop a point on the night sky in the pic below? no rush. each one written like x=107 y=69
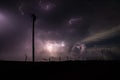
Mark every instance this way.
x=67 y=21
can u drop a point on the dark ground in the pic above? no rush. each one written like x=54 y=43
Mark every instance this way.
x=75 y=66
x=69 y=70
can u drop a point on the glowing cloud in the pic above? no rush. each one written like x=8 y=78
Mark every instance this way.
x=53 y=47
x=21 y=9
x=47 y=6
x=102 y=35
x=74 y=20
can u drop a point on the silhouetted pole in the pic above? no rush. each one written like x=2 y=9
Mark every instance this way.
x=33 y=34
x=59 y=58
x=25 y=57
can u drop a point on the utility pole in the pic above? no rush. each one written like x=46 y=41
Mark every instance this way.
x=33 y=37
x=25 y=57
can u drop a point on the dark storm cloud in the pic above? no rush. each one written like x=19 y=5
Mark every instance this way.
x=96 y=16
x=53 y=20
